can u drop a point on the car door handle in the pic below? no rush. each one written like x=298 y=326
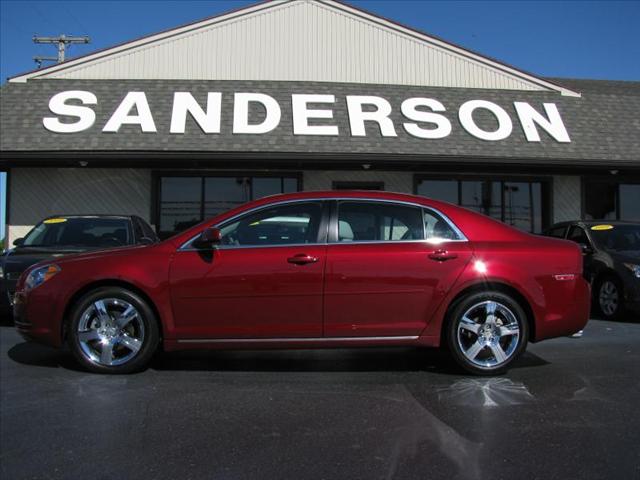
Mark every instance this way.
x=302 y=259
x=442 y=255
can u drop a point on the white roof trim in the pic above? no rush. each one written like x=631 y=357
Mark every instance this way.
x=387 y=24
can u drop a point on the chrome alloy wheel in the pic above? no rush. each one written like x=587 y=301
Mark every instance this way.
x=609 y=298
x=110 y=332
x=488 y=334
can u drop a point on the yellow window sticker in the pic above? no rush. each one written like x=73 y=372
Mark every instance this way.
x=602 y=227
x=55 y=220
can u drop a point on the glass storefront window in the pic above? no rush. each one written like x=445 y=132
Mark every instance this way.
x=263 y=187
x=517 y=203
x=630 y=202
x=180 y=203
x=600 y=201
x=523 y=205
x=223 y=193
x=445 y=190
x=185 y=201
x=608 y=200
x=481 y=196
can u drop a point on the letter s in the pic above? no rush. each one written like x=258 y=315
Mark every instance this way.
x=58 y=105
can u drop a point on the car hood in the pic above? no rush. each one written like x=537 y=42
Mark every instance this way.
x=100 y=254
x=17 y=260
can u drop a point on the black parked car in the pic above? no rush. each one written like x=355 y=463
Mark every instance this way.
x=611 y=262
x=65 y=234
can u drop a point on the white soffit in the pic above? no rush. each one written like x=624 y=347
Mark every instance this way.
x=297 y=40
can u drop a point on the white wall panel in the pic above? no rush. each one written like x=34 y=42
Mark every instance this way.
x=566 y=198
x=298 y=41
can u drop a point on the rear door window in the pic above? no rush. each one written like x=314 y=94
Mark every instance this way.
x=378 y=221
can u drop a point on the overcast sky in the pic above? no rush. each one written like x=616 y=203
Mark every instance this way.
x=560 y=39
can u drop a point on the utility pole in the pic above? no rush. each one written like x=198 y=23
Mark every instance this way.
x=62 y=41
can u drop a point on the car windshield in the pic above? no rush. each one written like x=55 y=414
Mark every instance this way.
x=617 y=238
x=79 y=232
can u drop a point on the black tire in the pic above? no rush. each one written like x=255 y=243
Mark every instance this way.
x=605 y=307
x=138 y=339
x=463 y=343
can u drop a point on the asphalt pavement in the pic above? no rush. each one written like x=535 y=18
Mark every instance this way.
x=567 y=410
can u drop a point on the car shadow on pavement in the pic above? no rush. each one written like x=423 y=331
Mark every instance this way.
x=338 y=360
x=28 y=353
x=375 y=359
x=627 y=318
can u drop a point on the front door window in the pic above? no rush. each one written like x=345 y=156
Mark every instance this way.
x=294 y=224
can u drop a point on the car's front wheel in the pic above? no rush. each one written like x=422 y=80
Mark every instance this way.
x=609 y=297
x=113 y=330
x=487 y=332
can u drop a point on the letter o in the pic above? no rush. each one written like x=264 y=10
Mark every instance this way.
x=505 y=126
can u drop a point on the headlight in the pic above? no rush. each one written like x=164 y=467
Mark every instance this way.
x=40 y=275
x=635 y=269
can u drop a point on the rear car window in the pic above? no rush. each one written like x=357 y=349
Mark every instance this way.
x=437 y=229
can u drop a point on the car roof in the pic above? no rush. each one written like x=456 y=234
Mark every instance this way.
x=356 y=194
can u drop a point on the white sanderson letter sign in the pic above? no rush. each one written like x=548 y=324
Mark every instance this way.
x=312 y=114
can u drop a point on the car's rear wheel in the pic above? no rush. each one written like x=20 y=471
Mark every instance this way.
x=487 y=332
x=113 y=330
x=609 y=297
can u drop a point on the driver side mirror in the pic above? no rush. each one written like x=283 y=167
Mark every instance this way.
x=586 y=249
x=209 y=238
x=18 y=242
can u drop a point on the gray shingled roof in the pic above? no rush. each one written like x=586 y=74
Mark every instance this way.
x=603 y=124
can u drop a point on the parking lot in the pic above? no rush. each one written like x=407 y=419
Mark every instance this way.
x=568 y=409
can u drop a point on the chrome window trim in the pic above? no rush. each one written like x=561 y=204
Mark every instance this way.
x=186 y=246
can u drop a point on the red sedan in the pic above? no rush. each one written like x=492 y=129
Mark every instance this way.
x=313 y=269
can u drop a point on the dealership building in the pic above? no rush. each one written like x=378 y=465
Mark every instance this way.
x=311 y=95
